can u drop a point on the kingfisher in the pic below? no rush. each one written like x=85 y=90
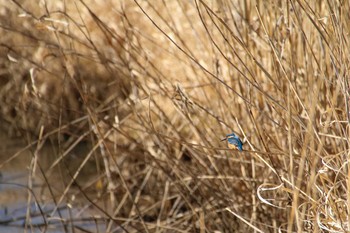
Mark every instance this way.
x=234 y=142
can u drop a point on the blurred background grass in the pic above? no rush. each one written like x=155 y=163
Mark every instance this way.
x=152 y=88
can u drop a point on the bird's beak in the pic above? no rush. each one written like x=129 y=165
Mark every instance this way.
x=223 y=139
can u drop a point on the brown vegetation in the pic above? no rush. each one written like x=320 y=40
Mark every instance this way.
x=153 y=87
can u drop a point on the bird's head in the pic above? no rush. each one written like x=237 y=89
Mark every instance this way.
x=232 y=135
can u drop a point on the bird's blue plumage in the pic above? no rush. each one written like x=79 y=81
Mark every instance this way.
x=234 y=141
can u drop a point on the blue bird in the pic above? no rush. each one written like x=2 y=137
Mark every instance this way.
x=234 y=142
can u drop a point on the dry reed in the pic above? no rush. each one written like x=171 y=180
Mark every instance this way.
x=153 y=86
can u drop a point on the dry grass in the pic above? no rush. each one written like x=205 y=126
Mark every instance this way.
x=153 y=87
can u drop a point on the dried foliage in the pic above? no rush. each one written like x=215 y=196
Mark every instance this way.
x=152 y=87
